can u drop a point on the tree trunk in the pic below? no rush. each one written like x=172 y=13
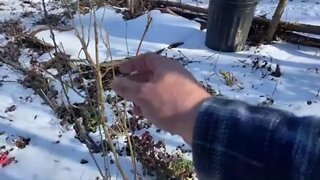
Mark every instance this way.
x=130 y=4
x=276 y=19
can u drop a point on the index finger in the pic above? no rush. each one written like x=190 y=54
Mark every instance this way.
x=141 y=63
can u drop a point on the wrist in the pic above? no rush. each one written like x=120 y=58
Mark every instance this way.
x=194 y=103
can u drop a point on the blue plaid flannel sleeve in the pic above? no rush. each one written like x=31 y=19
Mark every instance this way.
x=236 y=141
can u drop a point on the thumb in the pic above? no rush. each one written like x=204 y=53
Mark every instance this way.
x=126 y=88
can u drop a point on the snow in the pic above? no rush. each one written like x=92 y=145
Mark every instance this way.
x=112 y=25
x=45 y=159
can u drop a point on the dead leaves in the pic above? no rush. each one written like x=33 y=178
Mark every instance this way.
x=22 y=142
x=11 y=28
x=10 y=109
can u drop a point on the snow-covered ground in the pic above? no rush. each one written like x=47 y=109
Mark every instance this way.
x=54 y=153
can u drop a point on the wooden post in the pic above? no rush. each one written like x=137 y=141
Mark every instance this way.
x=276 y=19
x=130 y=4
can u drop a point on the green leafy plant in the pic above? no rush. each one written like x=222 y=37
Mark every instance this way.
x=157 y=162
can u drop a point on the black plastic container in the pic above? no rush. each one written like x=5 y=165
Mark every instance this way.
x=229 y=23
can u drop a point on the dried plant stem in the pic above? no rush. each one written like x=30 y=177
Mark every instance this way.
x=144 y=33
x=123 y=126
x=46 y=15
x=130 y=142
x=101 y=101
x=98 y=78
x=100 y=90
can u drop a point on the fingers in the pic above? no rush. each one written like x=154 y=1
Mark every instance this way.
x=126 y=88
x=140 y=77
x=141 y=63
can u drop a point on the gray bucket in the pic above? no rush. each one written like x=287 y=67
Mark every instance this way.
x=229 y=22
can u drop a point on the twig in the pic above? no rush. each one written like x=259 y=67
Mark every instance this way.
x=50 y=27
x=5 y=81
x=14 y=65
x=35 y=30
x=99 y=86
x=65 y=92
x=47 y=100
x=275 y=89
x=98 y=79
x=126 y=38
x=9 y=119
x=144 y=33
x=130 y=142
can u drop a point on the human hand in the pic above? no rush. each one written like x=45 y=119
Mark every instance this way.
x=163 y=92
